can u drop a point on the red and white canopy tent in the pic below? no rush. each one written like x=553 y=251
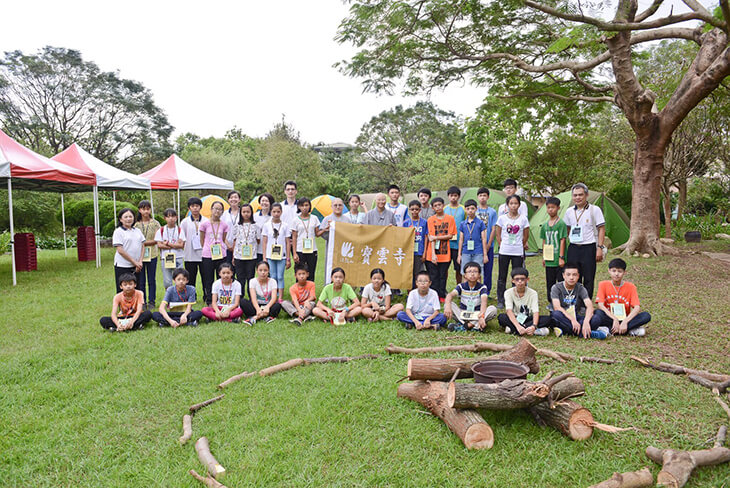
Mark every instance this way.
x=176 y=174
x=105 y=176
x=28 y=170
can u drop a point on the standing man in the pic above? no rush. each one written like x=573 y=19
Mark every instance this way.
x=338 y=206
x=510 y=188
x=586 y=232
x=380 y=215
x=424 y=195
x=455 y=210
x=289 y=204
x=399 y=210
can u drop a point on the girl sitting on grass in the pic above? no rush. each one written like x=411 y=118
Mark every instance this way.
x=226 y=297
x=376 y=298
x=338 y=302
x=264 y=294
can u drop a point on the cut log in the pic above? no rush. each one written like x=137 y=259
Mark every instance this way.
x=567 y=417
x=509 y=394
x=717 y=387
x=198 y=406
x=206 y=457
x=468 y=425
x=341 y=359
x=568 y=388
x=443 y=369
x=634 y=479
x=207 y=481
x=187 y=429
x=677 y=466
x=235 y=378
x=277 y=368
x=676 y=369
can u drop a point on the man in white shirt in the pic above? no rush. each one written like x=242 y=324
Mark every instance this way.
x=338 y=206
x=289 y=204
x=399 y=210
x=510 y=188
x=586 y=233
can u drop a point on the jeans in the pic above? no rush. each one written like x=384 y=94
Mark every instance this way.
x=504 y=263
x=467 y=258
x=167 y=273
x=561 y=321
x=603 y=320
x=193 y=316
x=149 y=270
x=439 y=319
x=277 y=268
x=505 y=322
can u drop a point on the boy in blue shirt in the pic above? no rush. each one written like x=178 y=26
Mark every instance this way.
x=489 y=216
x=457 y=212
x=472 y=238
x=414 y=220
x=180 y=298
x=472 y=311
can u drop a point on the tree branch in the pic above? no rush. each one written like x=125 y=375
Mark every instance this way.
x=577 y=98
x=649 y=11
x=725 y=12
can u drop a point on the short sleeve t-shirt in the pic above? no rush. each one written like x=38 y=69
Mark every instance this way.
x=332 y=218
x=166 y=234
x=511 y=234
x=472 y=231
x=440 y=227
x=423 y=306
x=261 y=221
x=459 y=215
x=399 y=212
x=575 y=297
x=226 y=293
x=172 y=295
x=263 y=291
x=132 y=241
x=370 y=295
x=192 y=251
x=149 y=230
x=232 y=219
x=470 y=298
x=625 y=294
x=489 y=217
x=244 y=234
x=503 y=210
x=552 y=235
x=276 y=234
x=337 y=300
x=360 y=218
x=213 y=235
x=374 y=217
x=305 y=229
x=588 y=219
x=421 y=227
x=527 y=304
x=426 y=212
x=301 y=295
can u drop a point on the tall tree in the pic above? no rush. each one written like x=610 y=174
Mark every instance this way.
x=556 y=49
x=54 y=98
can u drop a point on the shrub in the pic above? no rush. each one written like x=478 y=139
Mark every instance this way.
x=708 y=225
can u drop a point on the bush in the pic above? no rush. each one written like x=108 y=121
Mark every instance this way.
x=5 y=242
x=52 y=242
x=707 y=196
x=31 y=208
x=708 y=225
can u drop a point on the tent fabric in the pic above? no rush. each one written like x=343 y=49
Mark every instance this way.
x=107 y=176
x=31 y=171
x=617 y=222
x=176 y=174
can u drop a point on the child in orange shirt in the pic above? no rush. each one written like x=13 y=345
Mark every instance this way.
x=303 y=297
x=127 y=307
x=618 y=303
x=441 y=228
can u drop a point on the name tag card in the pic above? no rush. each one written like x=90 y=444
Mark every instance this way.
x=470 y=245
x=169 y=259
x=247 y=252
x=576 y=235
x=307 y=245
x=436 y=245
x=146 y=257
x=276 y=252
x=618 y=310
x=512 y=239
x=521 y=318
x=179 y=306
x=467 y=316
x=453 y=238
x=570 y=311
x=338 y=319
x=123 y=322
x=216 y=252
x=196 y=242
x=548 y=252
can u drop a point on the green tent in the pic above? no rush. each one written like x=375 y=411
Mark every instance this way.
x=617 y=222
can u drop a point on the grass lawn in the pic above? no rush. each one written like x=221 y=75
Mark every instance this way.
x=81 y=407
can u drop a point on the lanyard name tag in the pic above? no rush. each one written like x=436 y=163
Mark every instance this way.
x=307 y=245
x=521 y=318
x=511 y=239
x=618 y=310
x=147 y=254
x=246 y=251
x=548 y=252
x=576 y=235
x=196 y=243
x=468 y=316
x=470 y=245
x=169 y=259
x=338 y=319
x=276 y=250
x=570 y=311
x=216 y=251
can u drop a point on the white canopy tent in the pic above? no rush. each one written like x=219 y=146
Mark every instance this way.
x=106 y=176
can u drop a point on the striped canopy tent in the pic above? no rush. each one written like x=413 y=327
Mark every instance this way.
x=27 y=170
x=106 y=176
x=176 y=174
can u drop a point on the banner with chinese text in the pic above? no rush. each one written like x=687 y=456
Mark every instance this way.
x=358 y=249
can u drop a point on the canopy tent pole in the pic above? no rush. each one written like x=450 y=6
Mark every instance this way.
x=96 y=226
x=114 y=199
x=179 y=210
x=152 y=205
x=12 y=229
x=63 y=222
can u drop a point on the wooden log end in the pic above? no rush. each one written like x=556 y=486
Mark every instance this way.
x=451 y=395
x=581 y=424
x=479 y=436
x=410 y=368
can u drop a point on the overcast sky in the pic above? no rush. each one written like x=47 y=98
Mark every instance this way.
x=212 y=65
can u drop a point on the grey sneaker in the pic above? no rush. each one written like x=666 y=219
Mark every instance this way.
x=605 y=330
x=638 y=332
x=270 y=319
x=500 y=305
x=296 y=321
x=311 y=317
x=542 y=331
x=247 y=322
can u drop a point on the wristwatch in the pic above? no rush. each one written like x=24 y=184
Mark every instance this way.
x=603 y=248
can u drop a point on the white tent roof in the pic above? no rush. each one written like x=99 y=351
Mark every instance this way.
x=107 y=176
x=176 y=174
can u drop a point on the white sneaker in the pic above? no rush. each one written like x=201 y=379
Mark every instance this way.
x=542 y=331
x=506 y=330
x=638 y=332
x=605 y=330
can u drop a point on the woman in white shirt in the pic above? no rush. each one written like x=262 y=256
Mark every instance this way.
x=129 y=244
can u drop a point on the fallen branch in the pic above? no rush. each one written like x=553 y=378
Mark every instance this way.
x=468 y=425
x=277 y=368
x=676 y=369
x=235 y=378
x=187 y=429
x=677 y=466
x=207 y=481
x=717 y=387
x=341 y=359
x=198 y=406
x=633 y=479
x=723 y=405
x=206 y=457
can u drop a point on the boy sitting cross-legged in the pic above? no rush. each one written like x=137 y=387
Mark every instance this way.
x=572 y=307
x=472 y=311
x=127 y=307
x=522 y=308
x=618 y=303
x=303 y=297
x=423 y=306
x=179 y=298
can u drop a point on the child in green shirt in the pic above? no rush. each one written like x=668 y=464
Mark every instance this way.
x=553 y=234
x=338 y=301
